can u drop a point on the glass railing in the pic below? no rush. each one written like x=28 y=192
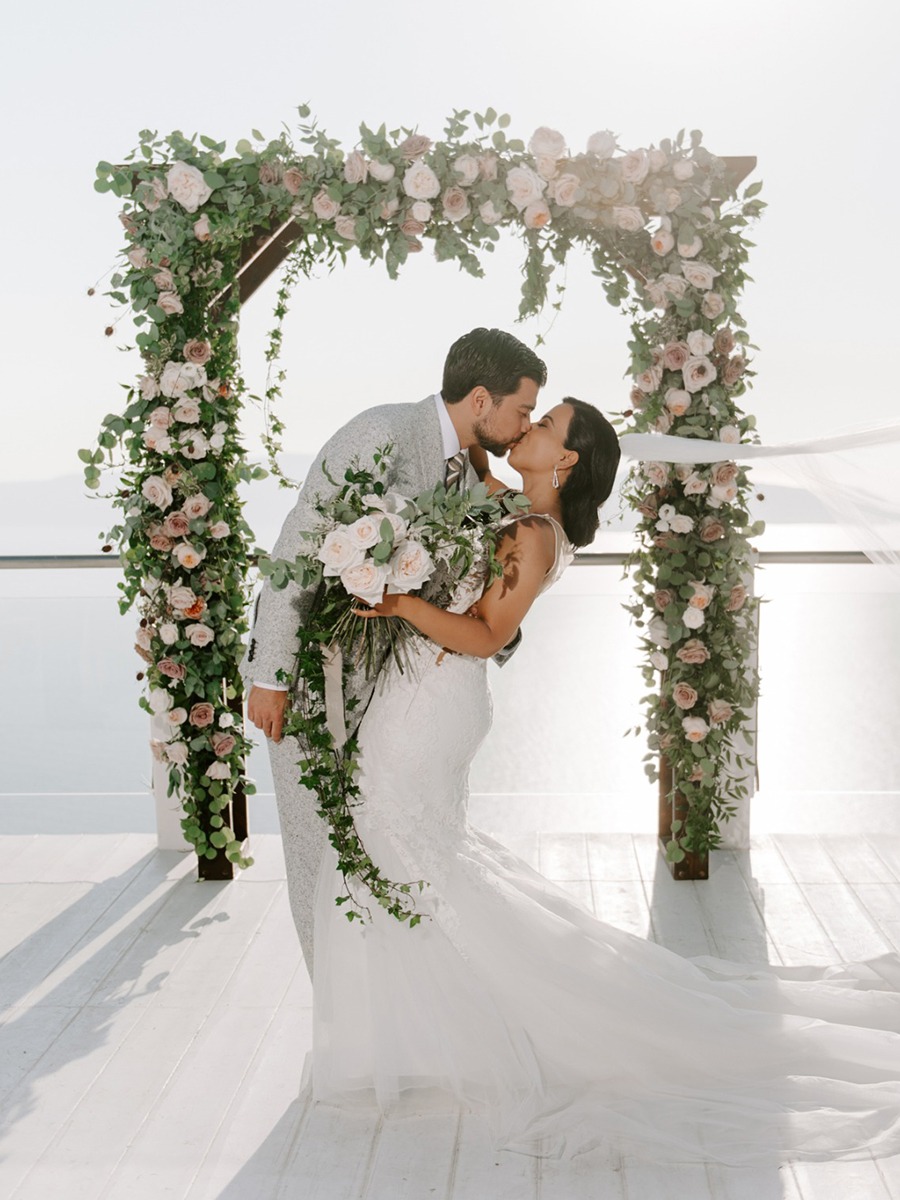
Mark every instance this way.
x=73 y=734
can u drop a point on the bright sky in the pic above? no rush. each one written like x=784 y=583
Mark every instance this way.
x=810 y=88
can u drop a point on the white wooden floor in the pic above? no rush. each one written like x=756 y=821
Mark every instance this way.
x=153 y=1028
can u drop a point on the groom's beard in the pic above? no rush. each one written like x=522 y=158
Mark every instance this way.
x=486 y=442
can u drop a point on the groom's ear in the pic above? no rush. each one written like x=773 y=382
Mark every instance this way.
x=480 y=400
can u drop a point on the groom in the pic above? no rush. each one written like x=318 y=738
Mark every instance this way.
x=489 y=390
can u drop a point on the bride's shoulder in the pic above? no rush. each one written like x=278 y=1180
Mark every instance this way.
x=531 y=534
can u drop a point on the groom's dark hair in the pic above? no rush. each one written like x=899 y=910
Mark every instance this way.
x=492 y=359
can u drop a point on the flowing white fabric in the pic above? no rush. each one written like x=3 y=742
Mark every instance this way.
x=567 y=1033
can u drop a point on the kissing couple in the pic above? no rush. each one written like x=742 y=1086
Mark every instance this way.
x=565 y=1032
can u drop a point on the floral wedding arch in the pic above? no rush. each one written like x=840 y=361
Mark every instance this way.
x=666 y=232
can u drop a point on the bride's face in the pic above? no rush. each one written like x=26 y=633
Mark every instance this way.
x=541 y=449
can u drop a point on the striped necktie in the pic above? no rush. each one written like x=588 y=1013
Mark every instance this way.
x=456 y=467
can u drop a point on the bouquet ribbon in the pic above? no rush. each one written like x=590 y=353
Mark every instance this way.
x=333 y=661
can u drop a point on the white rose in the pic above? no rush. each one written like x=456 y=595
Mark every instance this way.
x=682 y=169
x=421 y=211
x=649 y=380
x=420 y=182
x=487 y=165
x=170 y=303
x=346 y=227
x=681 y=523
x=694 y=485
x=699 y=275
x=339 y=552
x=546 y=167
x=635 y=166
x=658 y=631
x=365 y=532
x=149 y=387
x=398 y=525
x=199 y=635
x=177 y=716
x=180 y=377
x=537 y=215
x=196 y=506
x=181 y=597
x=157 y=491
x=730 y=434
x=678 y=401
x=177 y=752
x=142 y=637
x=673 y=285
x=690 y=249
x=188 y=556
x=703 y=594
x=324 y=207
x=524 y=187
x=161 y=418
x=388 y=208
x=217 y=441
x=383 y=172
x=657 y=473
x=671 y=199
x=218 y=770
x=565 y=190
x=712 y=305
x=367 y=580
x=466 y=167
x=193 y=444
x=226 y=720
x=658 y=159
x=659 y=660
x=699 y=342
x=547 y=143
x=724 y=492
x=662 y=242
x=628 y=217
x=201 y=229
x=489 y=214
x=187 y=411
x=187 y=185
x=356 y=169
x=138 y=257
x=695 y=728
x=694 y=618
x=220 y=529
x=160 y=700
x=168 y=631
x=602 y=144
x=666 y=513
x=698 y=372
x=410 y=566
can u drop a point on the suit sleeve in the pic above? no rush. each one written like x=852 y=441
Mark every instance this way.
x=279 y=613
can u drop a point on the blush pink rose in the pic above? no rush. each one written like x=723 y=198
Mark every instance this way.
x=693 y=652
x=176 y=525
x=293 y=180
x=675 y=355
x=171 y=668
x=199 y=635
x=684 y=695
x=663 y=598
x=202 y=714
x=223 y=743
x=719 y=711
x=711 y=529
x=737 y=598
x=159 y=541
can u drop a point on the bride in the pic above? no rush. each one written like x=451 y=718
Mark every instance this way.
x=567 y=1033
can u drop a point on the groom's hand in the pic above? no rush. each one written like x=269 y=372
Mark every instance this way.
x=265 y=709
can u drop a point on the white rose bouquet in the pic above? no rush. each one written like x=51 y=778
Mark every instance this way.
x=370 y=540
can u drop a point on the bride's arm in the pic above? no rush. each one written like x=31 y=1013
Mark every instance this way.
x=525 y=553
x=479 y=460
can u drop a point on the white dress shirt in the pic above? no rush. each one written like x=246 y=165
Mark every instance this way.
x=450 y=439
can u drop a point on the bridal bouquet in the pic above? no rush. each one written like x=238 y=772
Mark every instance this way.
x=439 y=544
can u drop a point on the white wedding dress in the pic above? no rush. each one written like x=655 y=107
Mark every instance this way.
x=567 y=1033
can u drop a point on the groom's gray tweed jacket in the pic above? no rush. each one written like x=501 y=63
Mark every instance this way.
x=417 y=463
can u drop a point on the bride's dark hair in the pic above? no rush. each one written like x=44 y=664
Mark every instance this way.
x=591 y=479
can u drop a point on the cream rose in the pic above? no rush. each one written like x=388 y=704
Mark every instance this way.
x=658 y=632
x=324 y=207
x=635 y=166
x=719 y=711
x=693 y=651
x=703 y=594
x=202 y=231
x=536 y=215
x=160 y=700
x=389 y=208
x=712 y=305
x=346 y=227
x=694 y=618
x=170 y=303
x=678 y=401
x=339 y=552
x=356 y=169
x=168 y=633
x=421 y=211
x=698 y=372
x=546 y=167
x=160 y=418
x=690 y=249
x=547 y=143
x=199 y=635
x=382 y=171
x=366 y=531
x=671 y=199
x=524 y=187
x=657 y=473
x=410 y=566
x=177 y=716
x=699 y=342
x=681 y=523
x=226 y=720
x=466 y=167
x=602 y=144
x=180 y=377
x=662 y=242
x=699 y=275
x=628 y=217
x=367 y=580
x=193 y=444
x=187 y=185
x=196 y=506
x=730 y=434
x=138 y=257
x=455 y=204
x=218 y=770
x=149 y=387
x=649 y=380
x=565 y=190
x=673 y=285
x=189 y=556
x=220 y=529
x=420 y=182
x=157 y=491
x=659 y=660
x=682 y=169
x=695 y=728
x=187 y=410
x=181 y=597
x=489 y=213
x=177 y=752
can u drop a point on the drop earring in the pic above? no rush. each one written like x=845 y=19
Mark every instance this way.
x=555 y=477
